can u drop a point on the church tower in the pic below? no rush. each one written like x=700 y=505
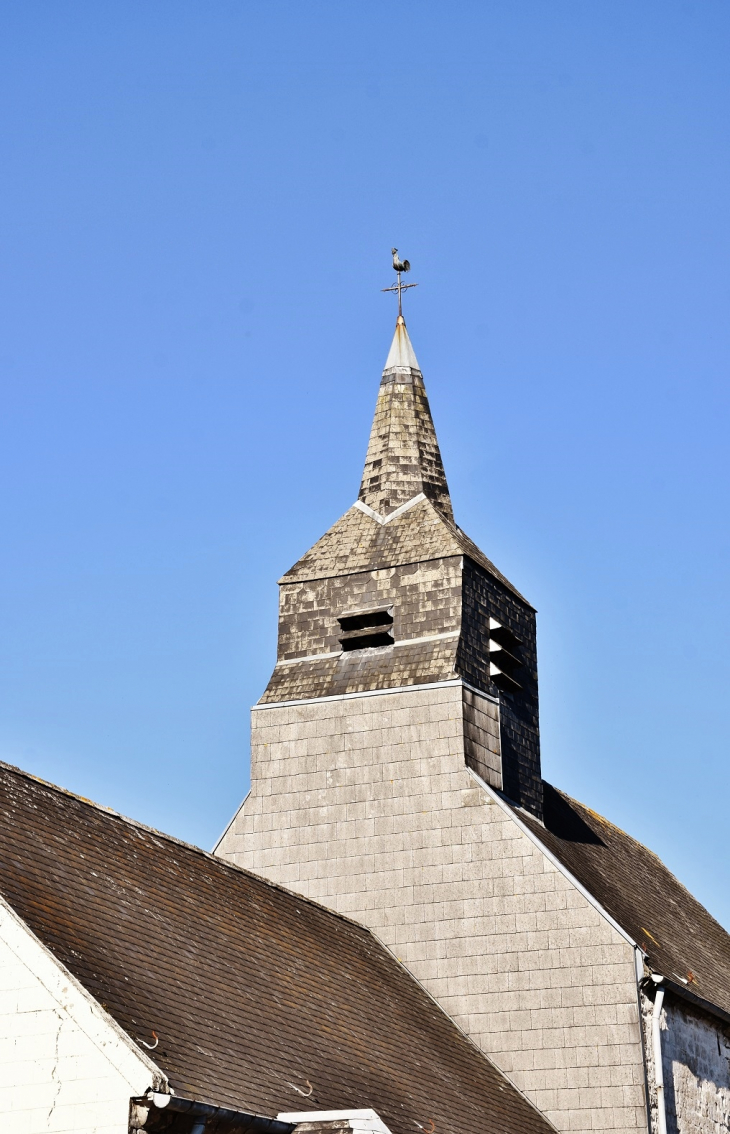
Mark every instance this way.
x=396 y=597
x=395 y=772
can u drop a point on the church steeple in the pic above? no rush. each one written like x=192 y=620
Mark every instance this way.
x=403 y=458
x=395 y=596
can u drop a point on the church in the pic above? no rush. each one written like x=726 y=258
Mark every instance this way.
x=404 y=929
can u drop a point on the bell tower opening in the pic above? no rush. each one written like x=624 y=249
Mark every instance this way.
x=366 y=629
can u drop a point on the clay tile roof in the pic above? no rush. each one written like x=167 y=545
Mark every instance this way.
x=256 y=994
x=682 y=940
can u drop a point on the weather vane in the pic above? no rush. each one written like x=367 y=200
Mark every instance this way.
x=400 y=266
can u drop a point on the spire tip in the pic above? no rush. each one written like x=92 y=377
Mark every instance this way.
x=401 y=351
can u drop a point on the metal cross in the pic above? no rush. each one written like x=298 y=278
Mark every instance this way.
x=399 y=287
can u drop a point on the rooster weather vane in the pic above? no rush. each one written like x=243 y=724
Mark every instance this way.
x=400 y=266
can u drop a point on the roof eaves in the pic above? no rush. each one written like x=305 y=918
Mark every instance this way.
x=697 y=1001
x=457 y=554
x=159 y=1102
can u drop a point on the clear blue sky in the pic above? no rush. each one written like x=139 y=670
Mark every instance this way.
x=197 y=202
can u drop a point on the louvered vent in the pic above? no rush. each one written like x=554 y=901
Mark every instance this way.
x=504 y=657
x=366 y=629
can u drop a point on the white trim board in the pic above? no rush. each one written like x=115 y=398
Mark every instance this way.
x=391 y=515
x=376 y=693
x=361 y=1121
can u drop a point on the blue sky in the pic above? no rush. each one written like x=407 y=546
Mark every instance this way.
x=197 y=202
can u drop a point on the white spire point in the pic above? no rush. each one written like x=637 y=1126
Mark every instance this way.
x=401 y=351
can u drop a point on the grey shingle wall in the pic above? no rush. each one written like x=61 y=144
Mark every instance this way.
x=367 y=805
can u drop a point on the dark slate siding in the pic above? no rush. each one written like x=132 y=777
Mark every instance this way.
x=403 y=456
x=484 y=596
x=425 y=597
x=426 y=601
x=418 y=663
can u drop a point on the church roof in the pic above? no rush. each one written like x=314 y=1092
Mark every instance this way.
x=682 y=940
x=263 y=1001
x=403 y=457
x=359 y=542
x=403 y=513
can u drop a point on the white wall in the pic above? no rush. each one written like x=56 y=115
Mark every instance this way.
x=64 y=1065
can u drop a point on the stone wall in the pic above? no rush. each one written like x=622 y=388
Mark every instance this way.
x=366 y=804
x=696 y=1065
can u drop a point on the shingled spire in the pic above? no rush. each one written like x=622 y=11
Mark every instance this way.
x=403 y=458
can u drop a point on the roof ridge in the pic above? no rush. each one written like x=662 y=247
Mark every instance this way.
x=482 y=559
x=223 y=862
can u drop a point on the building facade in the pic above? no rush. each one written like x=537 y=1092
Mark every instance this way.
x=395 y=776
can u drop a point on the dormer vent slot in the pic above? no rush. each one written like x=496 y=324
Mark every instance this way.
x=366 y=629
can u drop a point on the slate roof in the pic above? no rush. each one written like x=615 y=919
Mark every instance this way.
x=403 y=462
x=256 y=994
x=406 y=663
x=357 y=542
x=403 y=457
x=682 y=940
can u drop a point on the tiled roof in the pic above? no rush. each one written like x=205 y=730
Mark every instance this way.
x=682 y=940
x=262 y=1001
